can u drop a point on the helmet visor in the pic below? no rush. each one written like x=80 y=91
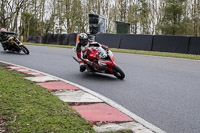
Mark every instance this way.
x=84 y=42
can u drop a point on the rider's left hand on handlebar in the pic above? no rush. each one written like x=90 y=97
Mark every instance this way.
x=105 y=47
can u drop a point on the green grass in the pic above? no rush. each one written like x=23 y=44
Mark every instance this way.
x=165 y=54
x=27 y=108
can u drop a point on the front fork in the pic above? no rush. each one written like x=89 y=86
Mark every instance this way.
x=110 y=69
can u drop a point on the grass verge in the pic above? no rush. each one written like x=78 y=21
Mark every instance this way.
x=27 y=107
x=165 y=54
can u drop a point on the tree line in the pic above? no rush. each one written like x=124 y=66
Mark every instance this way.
x=158 y=17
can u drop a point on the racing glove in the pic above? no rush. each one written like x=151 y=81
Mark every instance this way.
x=104 y=47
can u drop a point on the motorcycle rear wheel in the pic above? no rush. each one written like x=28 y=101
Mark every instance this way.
x=24 y=49
x=118 y=72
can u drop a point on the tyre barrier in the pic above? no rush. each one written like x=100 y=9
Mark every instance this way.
x=161 y=43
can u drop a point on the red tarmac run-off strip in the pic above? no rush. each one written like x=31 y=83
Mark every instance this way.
x=18 y=68
x=38 y=75
x=28 y=72
x=10 y=66
x=15 y=67
x=58 y=85
x=101 y=112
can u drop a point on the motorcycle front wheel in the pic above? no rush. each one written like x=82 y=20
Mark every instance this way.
x=118 y=72
x=24 y=49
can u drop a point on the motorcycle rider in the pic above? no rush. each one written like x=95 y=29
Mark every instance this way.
x=4 y=38
x=82 y=50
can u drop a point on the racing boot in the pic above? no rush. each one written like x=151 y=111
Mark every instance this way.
x=4 y=47
x=82 y=68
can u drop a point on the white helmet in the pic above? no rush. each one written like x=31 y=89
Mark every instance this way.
x=83 y=38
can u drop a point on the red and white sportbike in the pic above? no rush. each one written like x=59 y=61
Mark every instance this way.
x=103 y=62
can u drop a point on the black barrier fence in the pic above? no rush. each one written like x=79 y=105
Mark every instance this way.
x=50 y=39
x=34 y=39
x=60 y=39
x=111 y=40
x=137 y=42
x=174 y=44
x=72 y=39
x=194 y=46
x=44 y=39
x=66 y=39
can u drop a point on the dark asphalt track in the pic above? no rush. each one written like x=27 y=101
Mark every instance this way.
x=163 y=91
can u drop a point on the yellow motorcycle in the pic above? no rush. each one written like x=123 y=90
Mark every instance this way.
x=13 y=44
